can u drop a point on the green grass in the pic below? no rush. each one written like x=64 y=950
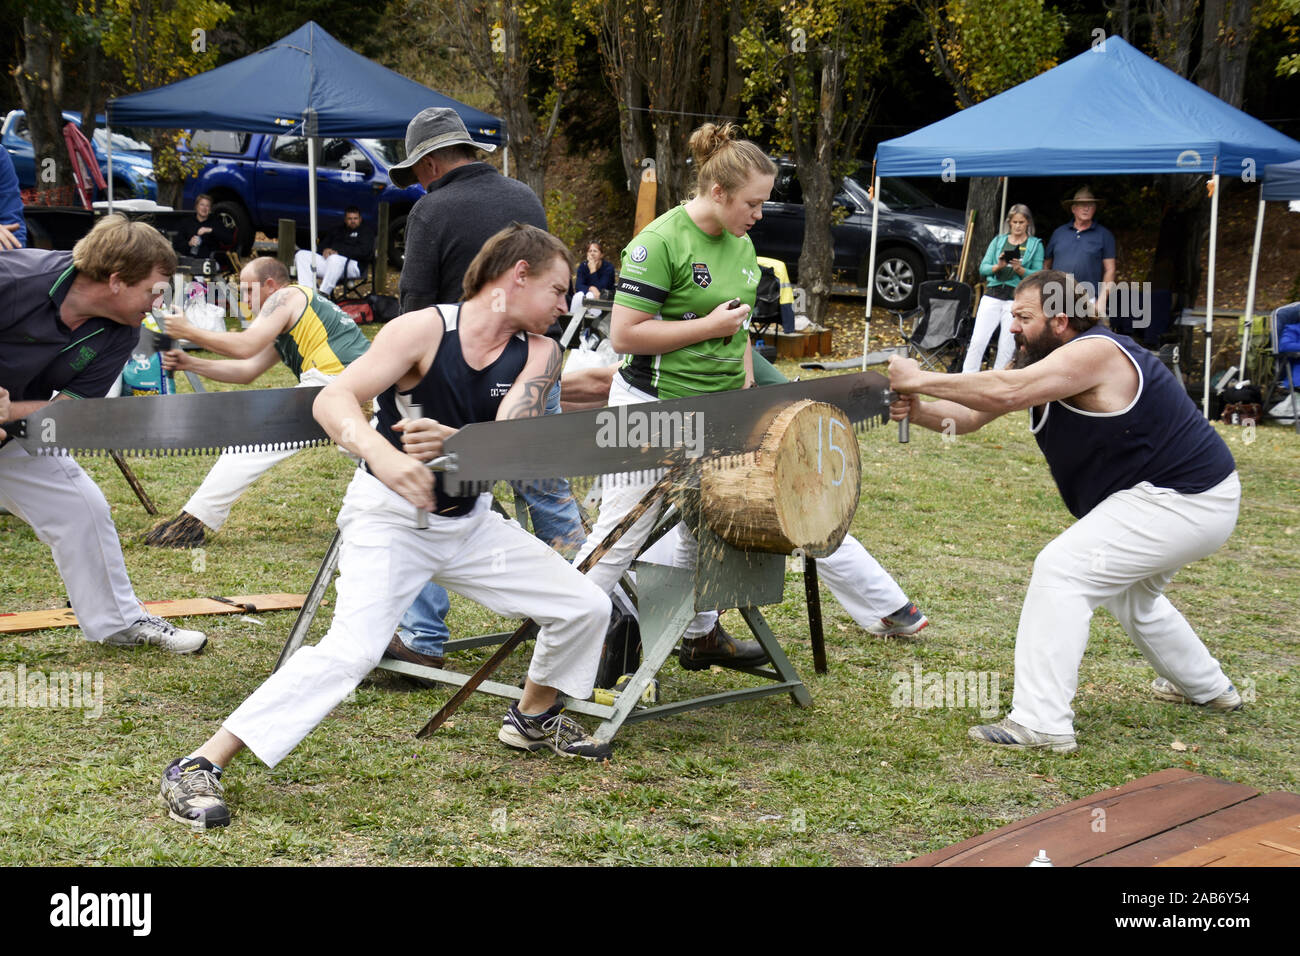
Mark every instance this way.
x=853 y=779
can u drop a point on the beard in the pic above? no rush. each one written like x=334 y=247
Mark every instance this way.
x=1028 y=352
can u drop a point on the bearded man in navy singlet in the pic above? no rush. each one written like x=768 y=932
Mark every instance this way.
x=1152 y=485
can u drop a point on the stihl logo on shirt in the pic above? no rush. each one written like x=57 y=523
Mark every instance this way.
x=700 y=274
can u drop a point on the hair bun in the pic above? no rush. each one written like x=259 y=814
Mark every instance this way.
x=709 y=138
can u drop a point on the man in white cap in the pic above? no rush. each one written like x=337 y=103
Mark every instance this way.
x=1085 y=249
x=467 y=202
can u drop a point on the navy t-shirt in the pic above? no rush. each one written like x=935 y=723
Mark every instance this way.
x=39 y=355
x=1160 y=437
x=1080 y=253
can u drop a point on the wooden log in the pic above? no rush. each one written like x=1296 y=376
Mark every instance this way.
x=799 y=489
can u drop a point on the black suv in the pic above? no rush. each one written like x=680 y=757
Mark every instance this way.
x=918 y=239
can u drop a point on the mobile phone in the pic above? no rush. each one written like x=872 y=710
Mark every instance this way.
x=733 y=304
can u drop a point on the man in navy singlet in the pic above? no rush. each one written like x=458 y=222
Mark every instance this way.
x=486 y=360
x=1153 y=485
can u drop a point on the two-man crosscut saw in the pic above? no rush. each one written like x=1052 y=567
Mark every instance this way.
x=573 y=444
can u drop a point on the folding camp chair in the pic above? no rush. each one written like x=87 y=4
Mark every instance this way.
x=1283 y=316
x=941 y=324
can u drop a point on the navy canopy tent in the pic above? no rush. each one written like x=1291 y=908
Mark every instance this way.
x=1108 y=111
x=306 y=83
x=1282 y=181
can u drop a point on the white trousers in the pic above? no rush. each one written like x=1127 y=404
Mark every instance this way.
x=331 y=269
x=384 y=561
x=1119 y=556
x=69 y=513
x=992 y=315
x=235 y=471
x=617 y=499
x=854 y=577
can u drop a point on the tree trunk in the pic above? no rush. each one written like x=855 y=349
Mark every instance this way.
x=984 y=197
x=40 y=84
x=1225 y=45
x=814 y=153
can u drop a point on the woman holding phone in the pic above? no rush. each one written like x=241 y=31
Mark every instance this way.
x=1011 y=256
x=681 y=312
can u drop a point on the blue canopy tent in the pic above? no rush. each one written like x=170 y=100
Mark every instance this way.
x=307 y=84
x=1108 y=111
x=1281 y=182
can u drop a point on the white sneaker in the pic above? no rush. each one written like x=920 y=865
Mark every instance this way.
x=160 y=633
x=1164 y=689
x=1007 y=733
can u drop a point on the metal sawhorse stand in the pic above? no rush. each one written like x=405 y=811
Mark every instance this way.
x=667 y=600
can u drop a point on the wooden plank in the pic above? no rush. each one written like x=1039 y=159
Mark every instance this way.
x=23 y=621
x=1150 y=852
x=1074 y=833
x=1276 y=843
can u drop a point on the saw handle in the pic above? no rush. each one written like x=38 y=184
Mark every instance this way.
x=904 y=431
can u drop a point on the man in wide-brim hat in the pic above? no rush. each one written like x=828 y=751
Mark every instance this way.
x=1084 y=248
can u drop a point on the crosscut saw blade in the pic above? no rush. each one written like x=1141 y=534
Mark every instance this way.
x=641 y=439
x=266 y=419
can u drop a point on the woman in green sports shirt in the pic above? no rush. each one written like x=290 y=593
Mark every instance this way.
x=673 y=321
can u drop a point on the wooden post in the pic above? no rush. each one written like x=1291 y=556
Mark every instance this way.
x=381 y=255
x=287 y=244
x=645 y=197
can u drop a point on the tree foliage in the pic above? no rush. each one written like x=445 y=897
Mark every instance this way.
x=159 y=42
x=526 y=53
x=984 y=47
x=812 y=73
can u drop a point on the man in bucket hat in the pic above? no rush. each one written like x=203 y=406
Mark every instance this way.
x=467 y=201
x=1084 y=248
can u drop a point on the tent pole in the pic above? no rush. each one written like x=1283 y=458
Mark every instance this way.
x=1003 y=218
x=311 y=205
x=871 y=268
x=1209 y=291
x=1250 y=291
x=108 y=131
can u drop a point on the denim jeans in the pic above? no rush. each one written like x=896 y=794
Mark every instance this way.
x=554 y=514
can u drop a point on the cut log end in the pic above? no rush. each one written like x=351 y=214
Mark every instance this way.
x=798 y=490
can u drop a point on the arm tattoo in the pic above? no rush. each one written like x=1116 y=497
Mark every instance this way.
x=274 y=302
x=532 y=393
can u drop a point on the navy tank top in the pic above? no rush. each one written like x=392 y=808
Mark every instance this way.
x=1160 y=437
x=454 y=394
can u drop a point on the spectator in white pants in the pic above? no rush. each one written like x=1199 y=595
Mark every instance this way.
x=293 y=324
x=1012 y=255
x=1152 y=485
x=68 y=324
x=345 y=251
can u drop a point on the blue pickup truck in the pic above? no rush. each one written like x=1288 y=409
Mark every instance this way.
x=256 y=179
x=133 y=176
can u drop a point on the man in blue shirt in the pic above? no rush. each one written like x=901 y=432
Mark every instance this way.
x=1085 y=249
x=13 y=227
